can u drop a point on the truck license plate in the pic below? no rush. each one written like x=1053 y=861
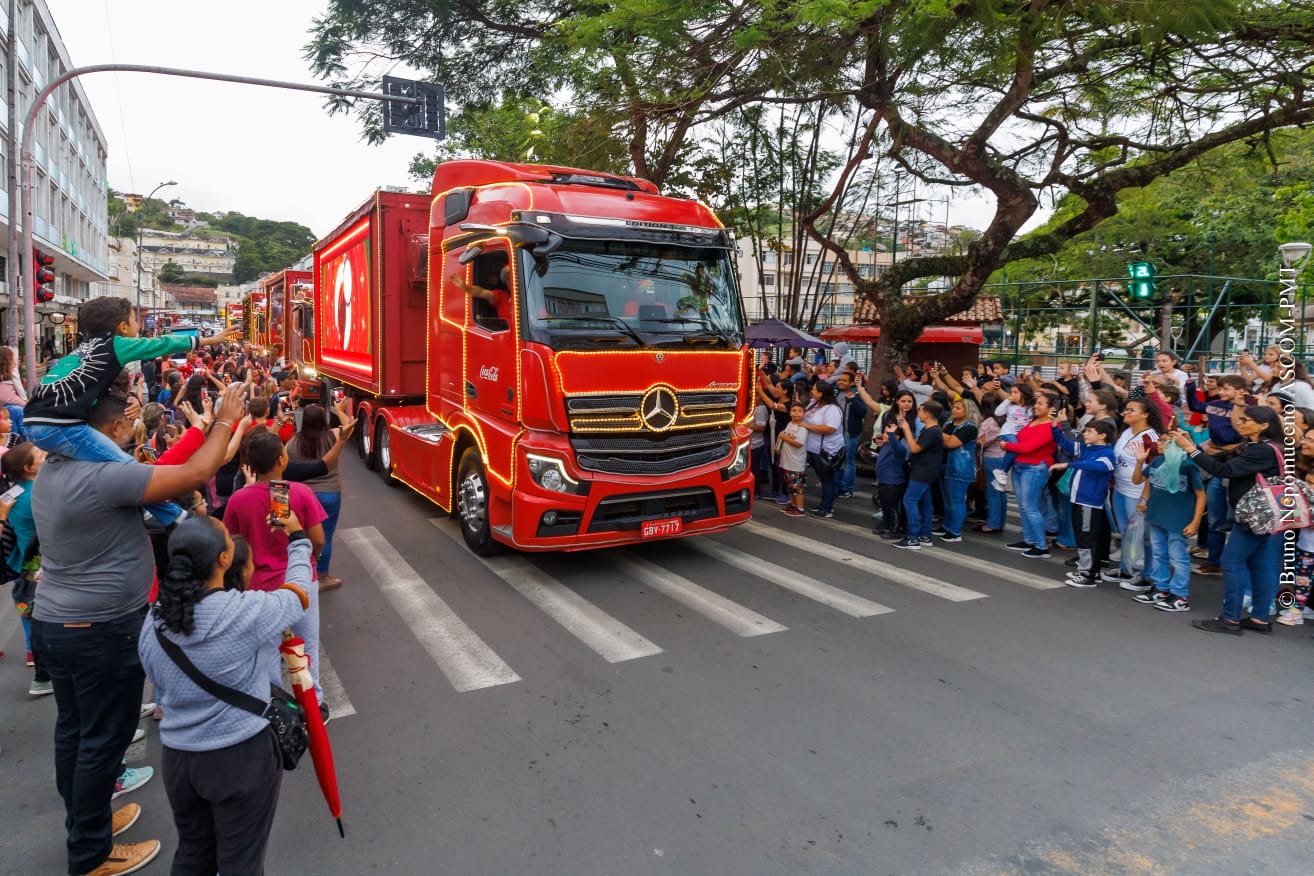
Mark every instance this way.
x=669 y=526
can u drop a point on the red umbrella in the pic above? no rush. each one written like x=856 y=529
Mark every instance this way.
x=297 y=664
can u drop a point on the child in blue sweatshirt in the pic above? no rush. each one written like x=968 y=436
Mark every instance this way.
x=1092 y=466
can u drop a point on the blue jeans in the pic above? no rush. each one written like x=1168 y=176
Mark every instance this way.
x=761 y=461
x=1216 y=508
x=1250 y=563
x=917 y=505
x=1124 y=514
x=1029 y=484
x=98 y=681
x=332 y=503
x=16 y=420
x=996 y=502
x=847 y=476
x=1062 y=523
x=85 y=443
x=826 y=475
x=1169 y=566
x=955 y=505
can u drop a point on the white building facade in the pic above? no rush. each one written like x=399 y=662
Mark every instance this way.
x=70 y=186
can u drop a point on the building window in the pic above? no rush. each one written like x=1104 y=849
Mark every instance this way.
x=768 y=279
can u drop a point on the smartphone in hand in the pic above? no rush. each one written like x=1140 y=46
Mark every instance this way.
x=280 y=500
x=12 y=494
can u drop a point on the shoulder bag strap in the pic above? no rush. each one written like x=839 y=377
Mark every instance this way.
x=221 y=692
x=1282 y=464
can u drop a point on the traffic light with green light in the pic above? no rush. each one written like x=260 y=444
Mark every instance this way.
x=1142 y=279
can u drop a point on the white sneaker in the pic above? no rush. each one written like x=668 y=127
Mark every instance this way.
x=147 y=709
x=1291 y=617
x=137 y=736
x=1000 y=480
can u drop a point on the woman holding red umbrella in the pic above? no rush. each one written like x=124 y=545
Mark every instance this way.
x=221 y=764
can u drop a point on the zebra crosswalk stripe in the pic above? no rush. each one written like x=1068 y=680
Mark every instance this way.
x=612 y=640
x=888 y=571
x=738 y=619
x=335 y=695
x=946 y=554
x=804 y=585
x=463 y=657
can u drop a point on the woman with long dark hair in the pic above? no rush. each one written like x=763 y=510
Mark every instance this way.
x=1144 y=423
x=1250 y=560
x=311 y=443
x=824 y=422
x=221 y=764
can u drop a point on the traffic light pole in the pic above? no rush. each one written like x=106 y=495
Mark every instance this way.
x=25 y=163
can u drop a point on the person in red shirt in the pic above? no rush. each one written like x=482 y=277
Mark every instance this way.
x=499 y=296
x=1035 y=450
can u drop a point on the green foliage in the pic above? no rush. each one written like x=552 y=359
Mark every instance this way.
x=525 y=129
x=124 y=223
x=263 y=244
x=171 y=272
x=1079 y=101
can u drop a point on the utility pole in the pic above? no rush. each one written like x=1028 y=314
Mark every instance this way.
x=11 y=263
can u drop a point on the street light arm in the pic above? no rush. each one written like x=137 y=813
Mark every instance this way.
x=25 y=150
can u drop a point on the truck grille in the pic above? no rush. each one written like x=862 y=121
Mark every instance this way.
x=651 y=455
x=622 y=412
x=623 y=513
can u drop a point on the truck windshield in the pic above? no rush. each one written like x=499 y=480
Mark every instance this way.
x=608 y=293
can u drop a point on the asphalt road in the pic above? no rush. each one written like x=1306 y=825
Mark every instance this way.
x=792 y=697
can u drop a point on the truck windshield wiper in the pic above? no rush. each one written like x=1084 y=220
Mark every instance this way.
x=615 y=321
x=708 y=332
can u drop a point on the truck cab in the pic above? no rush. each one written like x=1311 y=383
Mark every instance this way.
x=595 y=389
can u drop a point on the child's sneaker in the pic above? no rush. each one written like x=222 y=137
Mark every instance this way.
x=1290 y=617
x=1084 y=582
x=1174 y=603
x=131 y=779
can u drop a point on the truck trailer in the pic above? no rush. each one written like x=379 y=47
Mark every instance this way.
x=595 y=390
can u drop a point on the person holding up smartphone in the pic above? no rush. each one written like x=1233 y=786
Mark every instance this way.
x=248 y=514
x=1143 y=423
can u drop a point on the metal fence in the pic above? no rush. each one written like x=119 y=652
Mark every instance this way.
x=1191 y=315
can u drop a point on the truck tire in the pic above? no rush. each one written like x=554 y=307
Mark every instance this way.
x=472 y=504
x=383 y=452
x=365 y=441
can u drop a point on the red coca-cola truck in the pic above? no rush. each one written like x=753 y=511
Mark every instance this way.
x=284 y=332
x=554 y=355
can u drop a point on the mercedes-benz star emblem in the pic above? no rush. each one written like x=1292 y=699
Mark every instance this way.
x=659 y=409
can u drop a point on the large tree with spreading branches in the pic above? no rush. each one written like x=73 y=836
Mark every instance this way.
x=1023 y=102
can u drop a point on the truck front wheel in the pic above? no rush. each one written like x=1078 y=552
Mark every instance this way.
x=383 y=452
x=472 y=502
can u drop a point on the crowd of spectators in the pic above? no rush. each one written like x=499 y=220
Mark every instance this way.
x=1136 y=475
x=136 y=519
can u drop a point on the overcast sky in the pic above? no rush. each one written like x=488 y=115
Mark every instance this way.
x=264 y=152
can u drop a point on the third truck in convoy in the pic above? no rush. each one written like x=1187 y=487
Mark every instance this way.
x=555 y=355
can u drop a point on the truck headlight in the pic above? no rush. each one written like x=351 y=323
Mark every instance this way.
x=740 y=461
x=307 y=371
x=550 y=474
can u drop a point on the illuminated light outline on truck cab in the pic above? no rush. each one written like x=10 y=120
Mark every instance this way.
x=700 y=354
x=477 y=430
